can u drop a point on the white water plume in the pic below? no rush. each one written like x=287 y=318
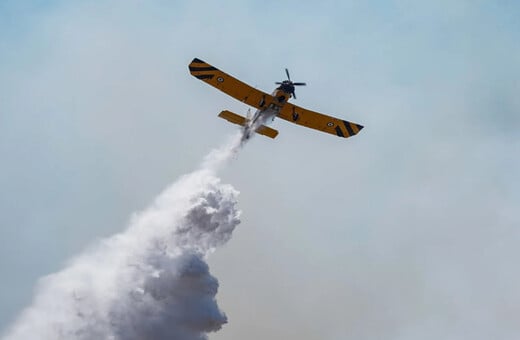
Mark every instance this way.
x=150 y=281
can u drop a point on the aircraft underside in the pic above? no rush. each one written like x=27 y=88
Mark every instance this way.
x=259 y=121
x=269 y=106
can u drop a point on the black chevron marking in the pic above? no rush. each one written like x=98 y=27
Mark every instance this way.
x=205 y=76
x=207 y=68
x=349 y=128
x=339 y=132
x=197 y=60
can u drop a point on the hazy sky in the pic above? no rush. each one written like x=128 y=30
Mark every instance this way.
x=409 y=230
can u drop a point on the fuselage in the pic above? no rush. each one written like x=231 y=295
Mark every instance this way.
x=269 y=108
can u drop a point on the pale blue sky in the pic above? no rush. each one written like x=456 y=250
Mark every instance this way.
x=408 y=230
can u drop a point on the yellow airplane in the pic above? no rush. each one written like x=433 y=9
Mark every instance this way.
x=269 y=106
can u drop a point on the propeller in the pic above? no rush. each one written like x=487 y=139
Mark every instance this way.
x=288 y=85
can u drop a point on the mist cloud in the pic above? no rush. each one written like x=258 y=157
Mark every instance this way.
x=150 y=281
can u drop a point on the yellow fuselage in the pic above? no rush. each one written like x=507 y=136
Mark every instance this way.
x=272 y=106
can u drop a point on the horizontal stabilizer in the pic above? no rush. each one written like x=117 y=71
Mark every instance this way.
x=233 y=118
x=242 y=121
x=267 y=131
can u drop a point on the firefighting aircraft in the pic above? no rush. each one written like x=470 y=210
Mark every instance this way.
x=269 y=106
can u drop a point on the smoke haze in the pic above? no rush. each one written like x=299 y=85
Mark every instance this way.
x=407 y=231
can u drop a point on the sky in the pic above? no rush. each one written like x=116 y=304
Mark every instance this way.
x=408 y=230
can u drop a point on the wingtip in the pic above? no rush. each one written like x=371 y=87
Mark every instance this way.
x=197 y=60
x=359 y=127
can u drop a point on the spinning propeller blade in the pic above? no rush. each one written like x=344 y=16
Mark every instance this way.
x=289 y=84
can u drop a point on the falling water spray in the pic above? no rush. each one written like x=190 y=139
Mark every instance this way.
x=150 y=281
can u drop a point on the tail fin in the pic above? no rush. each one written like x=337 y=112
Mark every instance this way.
x=242 y=121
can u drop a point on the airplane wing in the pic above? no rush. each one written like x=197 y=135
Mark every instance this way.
x=318 y=121
x=229 y=85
